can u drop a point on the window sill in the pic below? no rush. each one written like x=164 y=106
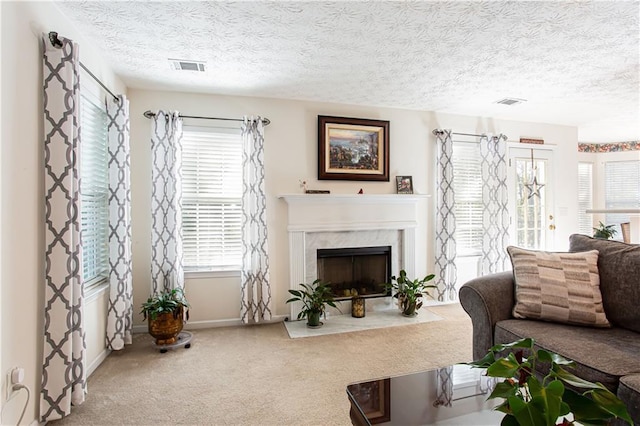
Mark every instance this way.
x=96 y=291
x=228 y=273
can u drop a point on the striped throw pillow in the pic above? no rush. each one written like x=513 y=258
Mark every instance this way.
x=559 y=287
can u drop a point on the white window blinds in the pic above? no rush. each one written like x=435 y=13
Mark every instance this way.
x=621 y=189
x=585 y=198
x=94 y=188
x=467 y=183
x=211 y=198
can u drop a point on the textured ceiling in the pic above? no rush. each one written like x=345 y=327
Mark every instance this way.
x=576 y=63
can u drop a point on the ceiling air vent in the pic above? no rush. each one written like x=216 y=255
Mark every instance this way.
x=511 y=101
x=185 y=65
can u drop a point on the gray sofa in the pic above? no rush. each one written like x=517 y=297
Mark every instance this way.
x=607 y=355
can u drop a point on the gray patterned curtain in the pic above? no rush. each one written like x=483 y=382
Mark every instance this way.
x=120 y=308
x=256 y=291
x=444 y=389
x=495 y=217
x=64 y=352
x=445 y=251
x=167 y=271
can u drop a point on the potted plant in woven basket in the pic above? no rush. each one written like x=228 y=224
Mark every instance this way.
x=409 y=292
x=539 y=391
x=315 y=298
x=166 y=312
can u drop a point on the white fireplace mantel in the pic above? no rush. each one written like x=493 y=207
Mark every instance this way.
x=345 y=212
x=343 y=220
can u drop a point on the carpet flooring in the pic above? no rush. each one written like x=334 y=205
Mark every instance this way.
x=257 y=375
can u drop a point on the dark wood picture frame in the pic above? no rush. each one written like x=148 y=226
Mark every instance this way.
x=353 y=149
x=404 y=184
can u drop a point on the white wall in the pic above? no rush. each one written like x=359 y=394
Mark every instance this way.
x=291 y=155
x=22 y=195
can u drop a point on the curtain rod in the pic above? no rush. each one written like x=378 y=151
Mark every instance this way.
x=55 y=42
x=150 y=114
x=440 y=132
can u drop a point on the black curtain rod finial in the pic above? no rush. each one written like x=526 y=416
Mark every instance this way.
x=53 y=38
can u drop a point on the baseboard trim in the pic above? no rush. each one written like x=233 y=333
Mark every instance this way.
x=96 y=362
x=199 y=325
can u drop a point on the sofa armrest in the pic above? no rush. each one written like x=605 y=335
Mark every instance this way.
x=487 y=300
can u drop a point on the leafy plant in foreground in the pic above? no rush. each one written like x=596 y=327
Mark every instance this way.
x=529 y=401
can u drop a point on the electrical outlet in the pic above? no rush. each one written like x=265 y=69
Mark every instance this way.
x=15 y=376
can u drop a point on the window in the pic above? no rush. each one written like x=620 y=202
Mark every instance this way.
x=211 y=198
x=585 y=197
x=94 y=187
x=621 y=189
x=467 y=183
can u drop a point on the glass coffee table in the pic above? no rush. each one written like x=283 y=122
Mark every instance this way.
x=454 y=395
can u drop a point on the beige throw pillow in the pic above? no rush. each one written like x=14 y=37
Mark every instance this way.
x=559 y=287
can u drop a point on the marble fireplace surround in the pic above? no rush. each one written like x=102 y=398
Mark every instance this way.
x=318 y=221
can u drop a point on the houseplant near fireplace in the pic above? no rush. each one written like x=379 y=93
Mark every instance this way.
x=166 y=312
x=409 y=292
x=315 y=298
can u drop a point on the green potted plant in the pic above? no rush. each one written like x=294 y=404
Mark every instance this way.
x=604 y=231
x=166 y=312
x=542 y=398
x=315 y=298
x=409 y=292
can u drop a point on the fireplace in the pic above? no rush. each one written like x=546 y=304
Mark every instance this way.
x=327 y=221
x=361 y=271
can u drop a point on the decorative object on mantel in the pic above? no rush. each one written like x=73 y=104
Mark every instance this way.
x=303 y=185
x=409 y=292
x=404 y=184
x=361 y=191
x=533 y=186
x=315 y=298
x=531 y=401
x=530 y=140
x=353 y=149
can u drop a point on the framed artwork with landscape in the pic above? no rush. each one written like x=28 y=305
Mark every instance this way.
x=353 y=149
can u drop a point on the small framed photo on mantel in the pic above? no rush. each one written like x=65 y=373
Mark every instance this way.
x=404 y=185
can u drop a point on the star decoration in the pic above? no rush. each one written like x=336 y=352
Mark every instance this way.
x=534 y=188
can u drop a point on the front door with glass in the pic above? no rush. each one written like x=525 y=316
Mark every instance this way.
x=530 y=182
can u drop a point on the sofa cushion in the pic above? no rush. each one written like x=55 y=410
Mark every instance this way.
x=560 y=287
x=619 y=268
x=601 y=354
x=629 y=393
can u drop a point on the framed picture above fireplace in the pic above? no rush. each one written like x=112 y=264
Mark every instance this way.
x=353 y=149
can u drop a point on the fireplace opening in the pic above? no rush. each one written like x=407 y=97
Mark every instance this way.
x=358 y=271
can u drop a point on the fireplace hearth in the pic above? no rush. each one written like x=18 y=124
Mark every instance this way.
x=355 y=271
